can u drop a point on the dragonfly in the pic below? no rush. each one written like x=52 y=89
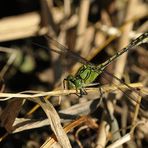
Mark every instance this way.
x=89 y=72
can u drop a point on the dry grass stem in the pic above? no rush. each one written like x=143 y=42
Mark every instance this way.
x=25 y=95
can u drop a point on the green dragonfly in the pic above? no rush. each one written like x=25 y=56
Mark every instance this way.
x=88 y=73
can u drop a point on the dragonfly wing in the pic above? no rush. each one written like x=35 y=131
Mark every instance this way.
x=59 y=48
x=106 y=76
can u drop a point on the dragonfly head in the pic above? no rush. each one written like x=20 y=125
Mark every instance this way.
x=74 y=82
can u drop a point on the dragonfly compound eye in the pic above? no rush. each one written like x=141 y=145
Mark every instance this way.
x=70 y=78
x=74 y=82
x=71 y=82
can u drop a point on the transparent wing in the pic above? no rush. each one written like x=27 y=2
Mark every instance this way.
x=136 y=92
x=59 y=48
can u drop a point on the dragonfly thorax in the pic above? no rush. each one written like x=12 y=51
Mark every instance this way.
x=85 y=76
x=88 y=73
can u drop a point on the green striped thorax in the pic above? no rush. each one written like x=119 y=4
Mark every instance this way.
x=85 y=76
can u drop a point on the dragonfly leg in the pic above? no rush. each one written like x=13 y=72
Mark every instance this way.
x=81 y=92
x=64 y=84
x=101 y=94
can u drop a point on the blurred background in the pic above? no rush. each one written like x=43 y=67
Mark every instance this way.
x=94 y=29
